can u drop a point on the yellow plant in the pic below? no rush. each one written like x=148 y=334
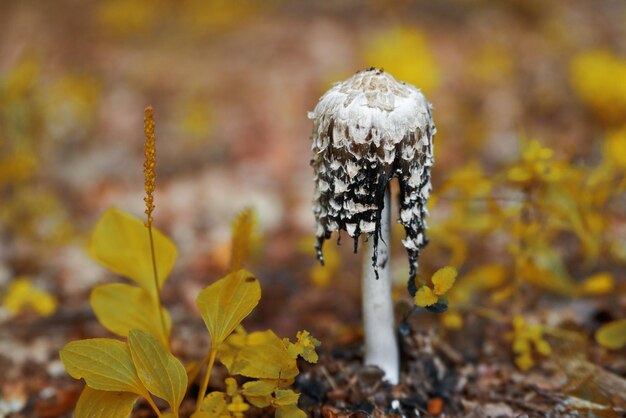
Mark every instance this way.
x=118 y=373
x=530 y=206
x=527 y=338
x=22 y=295
x=593 y=76
x=612 y=335
x=432 y=297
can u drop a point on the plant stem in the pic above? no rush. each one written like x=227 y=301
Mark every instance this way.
x=205 y=380
x=381 y=345
x=193 y=373
x=156 y=285
x=151 y=402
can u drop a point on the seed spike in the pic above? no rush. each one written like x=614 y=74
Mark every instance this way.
x=149 y=166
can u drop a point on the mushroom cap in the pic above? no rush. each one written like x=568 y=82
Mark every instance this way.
x=371 y=100
x=367 y=130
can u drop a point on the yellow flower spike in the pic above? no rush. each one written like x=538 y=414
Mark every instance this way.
x=444 y=279
x=425 y=297
x=150 y=163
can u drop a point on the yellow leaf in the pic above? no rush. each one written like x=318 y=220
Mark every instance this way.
x=161 y=373
x=104 y=363
x=121 y=307
x=259 y=388
x=120 y=242
x=22 y=294
x=290 y=411
x=213 y=406
x=286 y=397
x=443 y=279
x=612 y=335
x=425 y=297
x=225 y=303
x=104 y=404
x=304 y=347
x=598 y=284
x=243 y=230
x=228 y=349
x=265 y=357
x=259 y=392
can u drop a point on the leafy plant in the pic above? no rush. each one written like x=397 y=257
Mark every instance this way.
x=118 y=373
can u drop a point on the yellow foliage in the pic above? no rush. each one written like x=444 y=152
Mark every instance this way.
x=105 y=364
x=265 y=357
x=121 y=243
x=612 y=335
x=526 y=336
x=121 y=307
x=305 y=347
x=615 y=149
x=405 y=53
x=243 y=238
x=536 y=165
x=443 y=280
x=213 y=406
x=593 y=76
x=225 y=303
x=22 y=295
x=160 y=372
x=104 y=404
x=425 y=297
x=598 y=284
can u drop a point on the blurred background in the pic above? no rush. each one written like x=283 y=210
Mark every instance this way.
x=231 y=82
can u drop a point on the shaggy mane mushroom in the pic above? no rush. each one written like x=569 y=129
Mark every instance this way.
x=367 y=130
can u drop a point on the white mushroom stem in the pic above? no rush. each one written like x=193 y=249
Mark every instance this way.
x=381 y=345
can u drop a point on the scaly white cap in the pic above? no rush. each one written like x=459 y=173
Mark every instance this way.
x=367 y=130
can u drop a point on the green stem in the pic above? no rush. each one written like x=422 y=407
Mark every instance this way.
x=156 y=285
x=205 y=381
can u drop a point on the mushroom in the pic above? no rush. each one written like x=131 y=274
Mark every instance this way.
x=367 y=130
